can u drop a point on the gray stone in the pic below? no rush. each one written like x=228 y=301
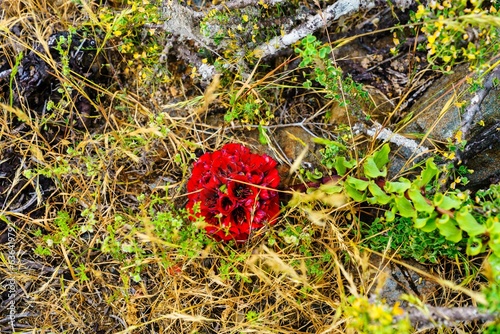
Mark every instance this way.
x=437 y=116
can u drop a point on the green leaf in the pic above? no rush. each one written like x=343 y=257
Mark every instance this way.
x=446 y=202
x=474 y=246
x=468 y=223
x=357 y=184
x=420 y=201
x=355 y=194
x=397 y=187
x=309 y=39
x=341 y=165
x=427 y=224
x=381 y=157
x=331 y=188
x=263 y=136
x=404 y=207
x=429 y=172
x=314 y=175
x=390 y=215
x=379 y=196
x=323 y=52
x=371 y=169
x=447 y=228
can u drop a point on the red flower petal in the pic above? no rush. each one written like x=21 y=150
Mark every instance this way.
x=235 y=190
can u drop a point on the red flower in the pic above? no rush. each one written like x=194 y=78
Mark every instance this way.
x=235 y=191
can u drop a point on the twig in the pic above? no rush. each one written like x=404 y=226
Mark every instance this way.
x=325 y=17
x=26 y=205
x=378 y=132
x=18 y=316
x=5 y=74
x=432 y=317
x=475 y=103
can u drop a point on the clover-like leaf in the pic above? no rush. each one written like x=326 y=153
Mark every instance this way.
x=390 y=215
x=371 y=169
x=381 y=157
x=354 y=193
x=358 y=184
x=446 y=202
x=379 y=196
x=427 y=224
x=398 y=187
x=468 y=223
x=427 y=174
x=420 y=201
x=448 y=229
x=474 y=246
x=341 y=165
x=404 y=207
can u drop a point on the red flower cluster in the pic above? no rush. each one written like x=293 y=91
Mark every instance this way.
x=234 y=189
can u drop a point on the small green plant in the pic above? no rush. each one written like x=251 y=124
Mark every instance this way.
x=249 y=109
x=400 y=236
x=252 y=316
x=451 y=213
x=229 y=269
x=66 y=229
x=142 y=47
x=326 y=73
x=458 y=30
x=15 y=70
x=370 y=318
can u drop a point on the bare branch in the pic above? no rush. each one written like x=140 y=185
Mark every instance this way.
x=325 y=17
x=432 y=317
x=378 y=132
x=475 y=104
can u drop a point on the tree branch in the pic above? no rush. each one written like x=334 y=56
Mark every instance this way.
x=432 y=317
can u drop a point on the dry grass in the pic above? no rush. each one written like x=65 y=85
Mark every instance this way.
x=114 y=171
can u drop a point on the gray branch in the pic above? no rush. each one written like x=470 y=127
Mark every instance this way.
x=323 y=18
x=475 y=104
x=413 y=148
x=432 y=317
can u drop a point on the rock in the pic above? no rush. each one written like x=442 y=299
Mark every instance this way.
x=431 y=113
x=482 y=155
x=400 y=279
x=437 y=115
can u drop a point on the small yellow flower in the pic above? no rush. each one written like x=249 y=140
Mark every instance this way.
x=420 y=12
x=439 y=23
x=117 y=33
x=396 y=310
x=244 y=17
